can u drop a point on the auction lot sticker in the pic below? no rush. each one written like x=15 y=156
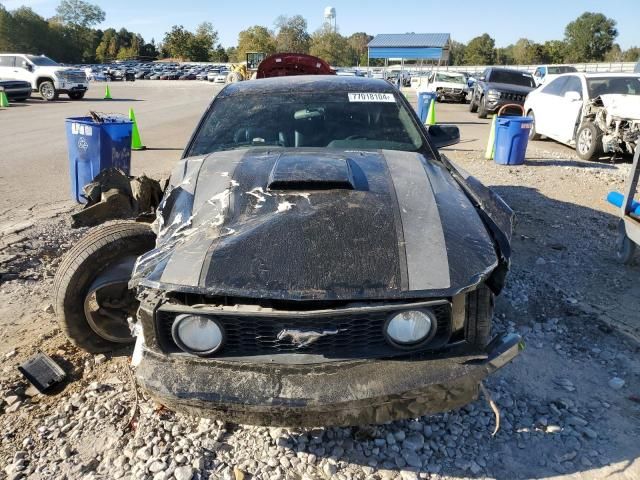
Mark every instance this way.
x=371 y=97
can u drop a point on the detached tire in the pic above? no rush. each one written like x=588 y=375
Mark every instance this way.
x=89 y=260
x=480 y=304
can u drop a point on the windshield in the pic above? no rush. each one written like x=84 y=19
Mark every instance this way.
x=512 y=78
x=561 y=69
x=606 y=85
x=447 y=77
x=334 y=120
x=42 y=61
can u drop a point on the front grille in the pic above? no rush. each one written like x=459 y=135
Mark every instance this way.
x=513 y=97
x=360 y=334
x=453 y=90
x=76 y=77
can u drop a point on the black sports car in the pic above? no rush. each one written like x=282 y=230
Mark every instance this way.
x=16 y=90
x=314 y=261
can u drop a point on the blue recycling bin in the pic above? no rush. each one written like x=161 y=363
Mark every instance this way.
x=512 y=138
x=94 y=147
x=424 y=101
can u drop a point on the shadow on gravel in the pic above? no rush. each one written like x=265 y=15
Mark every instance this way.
x=546 y=162
x=573 y=247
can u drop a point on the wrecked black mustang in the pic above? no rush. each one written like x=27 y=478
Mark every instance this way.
x=315 y=261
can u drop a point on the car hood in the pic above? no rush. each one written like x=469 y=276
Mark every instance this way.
x=316 y=224
x=622 y=106
x=52 y=70
x=508 y=87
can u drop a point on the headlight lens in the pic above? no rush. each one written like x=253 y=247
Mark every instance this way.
x=493 y=94
x=197 y=334
x=410 y=327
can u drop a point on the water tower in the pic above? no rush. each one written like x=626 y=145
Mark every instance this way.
x=330 y=17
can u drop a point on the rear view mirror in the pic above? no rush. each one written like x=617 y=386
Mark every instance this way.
x=444 y=135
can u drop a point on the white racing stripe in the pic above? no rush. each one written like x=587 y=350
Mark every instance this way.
x=426 y=250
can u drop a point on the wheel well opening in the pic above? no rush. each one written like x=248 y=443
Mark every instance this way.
x=43 y=79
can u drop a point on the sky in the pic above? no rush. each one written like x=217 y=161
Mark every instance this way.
x=505 y=20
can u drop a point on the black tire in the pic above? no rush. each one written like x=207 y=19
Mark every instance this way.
x=76 y=95
x=80 y=266
x=533 y=135
x=482 y=108
x=480 y=304
x=625 y=247
x=48 y=91
x=473 y=107
x=589 y=141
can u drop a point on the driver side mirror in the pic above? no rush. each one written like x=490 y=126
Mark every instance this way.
x=443 y=135
x=572 y=96
x=27 y=66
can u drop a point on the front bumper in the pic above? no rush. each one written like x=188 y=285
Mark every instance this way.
x=494 y=105
x=14 y=94
x=335 y=393
x=455 y=96
x=66 y=87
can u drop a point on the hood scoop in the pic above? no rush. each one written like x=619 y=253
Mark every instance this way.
x=311 y=171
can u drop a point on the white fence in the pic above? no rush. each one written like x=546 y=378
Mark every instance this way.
x=611 y=67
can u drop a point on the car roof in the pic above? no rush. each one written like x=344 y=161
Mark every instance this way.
x=502 y=69
x=307 y=84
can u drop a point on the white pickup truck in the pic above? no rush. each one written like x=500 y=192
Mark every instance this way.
x=47 y=77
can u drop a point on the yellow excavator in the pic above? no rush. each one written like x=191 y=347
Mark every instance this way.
x=246 y=70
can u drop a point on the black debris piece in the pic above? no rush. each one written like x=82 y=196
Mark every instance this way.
x=42 y=371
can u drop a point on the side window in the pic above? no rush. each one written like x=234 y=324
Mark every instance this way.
x=7 y=61
x=21 y=62
x=573 y=84
x=486 y=75
x=555 y=87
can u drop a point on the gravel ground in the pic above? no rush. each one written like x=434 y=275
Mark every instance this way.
x=569 y=404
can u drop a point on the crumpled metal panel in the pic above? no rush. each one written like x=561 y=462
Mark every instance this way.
x=406 y=230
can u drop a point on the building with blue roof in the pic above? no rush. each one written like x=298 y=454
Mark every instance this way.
x=411 y=46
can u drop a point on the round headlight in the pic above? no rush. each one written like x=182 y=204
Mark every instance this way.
x=411 y=327
x=197 y=334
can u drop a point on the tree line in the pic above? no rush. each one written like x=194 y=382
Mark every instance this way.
x=70 y=37
x=589 y=38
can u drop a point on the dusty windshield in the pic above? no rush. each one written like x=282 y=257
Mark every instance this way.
x=445 y=77
x=42 y=61
x=608 y=85
x=331 y=120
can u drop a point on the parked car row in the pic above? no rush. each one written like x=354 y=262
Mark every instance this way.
x=596 y=113
x=156 y=71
